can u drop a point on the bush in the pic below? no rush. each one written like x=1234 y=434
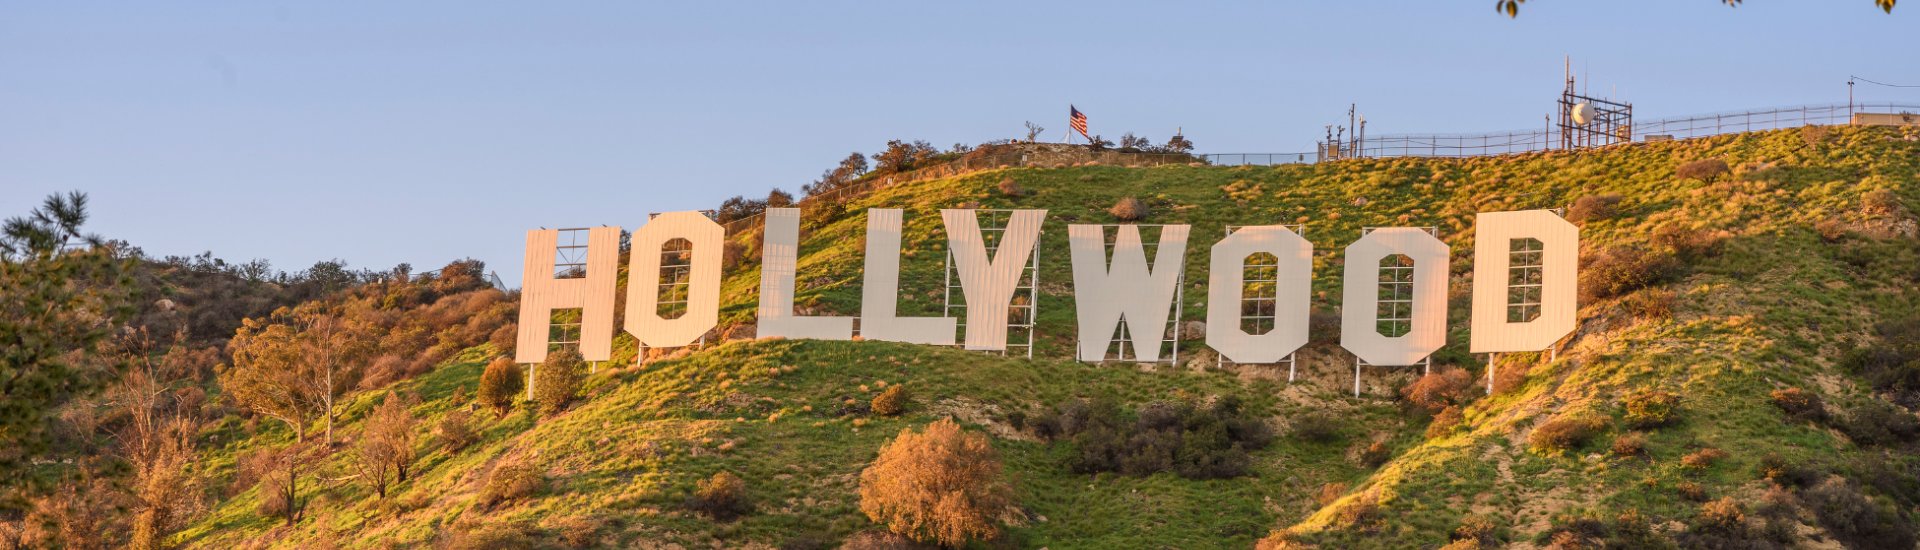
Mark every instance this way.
x=1813 y=134
x=1361 y=512
x=1316 y=427
x=512 y=480
x=1880 y=201
x=1197 y=442
x=557 y=382
x=455 y=431
x=1799 y=403
x=1129 y=210
x=1702 y=459
x=1777 y=470
x=1477 y=532
x=490 y=536
x=1652 y=303
x=1565 y=433
x=1691 y=491
x=1688 y=243
x=1438 y=390
x=722 y=497
x=500 y=385
x=1705 y=170
x=942 y=485
x=1618 y=271
x=1010 y=188
x=1877 y=422
x=1630 y=444
x=1330 y=492
x=1375 y=455
x=1445 y=422
x=1651 y=409
x=891 y=402
x=1594 y=207
x=1858 y=522
x=1891 y=363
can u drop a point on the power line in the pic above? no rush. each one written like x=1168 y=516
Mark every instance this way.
x=1883 y=83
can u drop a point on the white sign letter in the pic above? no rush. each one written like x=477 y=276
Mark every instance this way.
x=1226 y=281
x=1524 y=269
x=1127 y=290
x=988 y=283
x=1414 y=299
x=541 y=293
x=880 y=292
x=703 y=279
x=780 y=249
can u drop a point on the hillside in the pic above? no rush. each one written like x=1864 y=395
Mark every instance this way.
x=1762 y=279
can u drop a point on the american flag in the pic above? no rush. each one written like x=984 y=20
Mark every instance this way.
x=1077 y=120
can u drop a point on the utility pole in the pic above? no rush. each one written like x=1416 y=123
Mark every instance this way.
x=1850 y=99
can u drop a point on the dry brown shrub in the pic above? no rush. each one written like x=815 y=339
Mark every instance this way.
x=469 y=535
x=1705 y=170
x=1689 y=243
x=1654 y=304
x=1831 y=229
x=1376 y=454
x=513 y=479
x=1445 y=422
x=1799 y=403
x=942 y=485
x=1630 y=444
x=1702 y=459
x=1619 y=270
x=1813 y=134
x=1129 y=209
x=1361 y=512
x=455 y=431
x=891 y=402
x=1594 y=208
x=1691 y=491
x=1438 y=390
x=1010 y=188
x=722 y=497
x=1330 y=492
x=1881 y=201
x=1564 y=433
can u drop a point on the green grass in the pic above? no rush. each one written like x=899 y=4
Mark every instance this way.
x=1776 y=308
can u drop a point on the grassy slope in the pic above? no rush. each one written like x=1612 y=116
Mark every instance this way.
x=1775 y=309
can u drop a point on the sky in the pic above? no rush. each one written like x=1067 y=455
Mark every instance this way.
x=423 y=132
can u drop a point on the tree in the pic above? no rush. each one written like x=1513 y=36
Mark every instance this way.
x=500 y=385
x=778 y=198
x=157 y=439
x=1033 y=131
x=62 y=294
x=280 y=483
x=268 y=374
x=335 y=353
x=557 y=381
x=1133 y=144
x=849 y=169
x=1512 y=7
x=385 y=449
x=941 y=486
x=1178 y=144
x=902 y=155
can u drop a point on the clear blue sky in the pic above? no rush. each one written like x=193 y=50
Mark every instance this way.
x=384 y=132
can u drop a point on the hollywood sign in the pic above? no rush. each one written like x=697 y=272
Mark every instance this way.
x=1517 y=307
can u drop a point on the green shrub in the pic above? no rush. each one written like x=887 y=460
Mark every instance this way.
x=1197 y=442
x=500 y=385
x=1857 y=521
x=1565 y=433
x=1891 y=363
x=1651 y=409
x=722 y=497
x=890 y=402
x=557 y=381
x=511 y=480
x=1316 y=427
x=1773 y=467
x=1877 y=422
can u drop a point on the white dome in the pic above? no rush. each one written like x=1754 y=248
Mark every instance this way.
x=1582 y=114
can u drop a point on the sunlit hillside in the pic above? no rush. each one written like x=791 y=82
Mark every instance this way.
x=1669 y=418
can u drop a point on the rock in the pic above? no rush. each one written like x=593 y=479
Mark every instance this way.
x=1190 y=330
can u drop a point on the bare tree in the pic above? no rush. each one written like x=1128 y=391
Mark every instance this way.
x=157 y=439
x=1033 y=131
x=386 y=445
